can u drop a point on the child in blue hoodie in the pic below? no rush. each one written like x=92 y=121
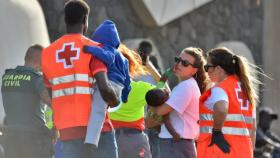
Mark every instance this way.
x=118 y=74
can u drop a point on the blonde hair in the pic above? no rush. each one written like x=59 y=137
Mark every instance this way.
x=135 y=63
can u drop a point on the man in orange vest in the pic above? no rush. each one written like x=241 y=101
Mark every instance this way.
x=70 y=74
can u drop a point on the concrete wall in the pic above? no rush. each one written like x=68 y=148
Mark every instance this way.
x=214 y=22
x=208 y=25
x=22 y=24
x=271 y=57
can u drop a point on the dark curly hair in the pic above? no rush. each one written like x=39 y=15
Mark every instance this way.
x=156 y=97
x=75 y=12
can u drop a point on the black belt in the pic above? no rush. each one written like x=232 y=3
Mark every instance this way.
x=128 y=131
x=183 y=139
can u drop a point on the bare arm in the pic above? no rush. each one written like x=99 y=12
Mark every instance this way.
x=220 y=113
x=170 y=128
x=152 y=70
x=106 y=89
x=163 y=109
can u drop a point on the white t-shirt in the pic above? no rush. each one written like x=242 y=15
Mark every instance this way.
x=217 y=94
x=184 y=99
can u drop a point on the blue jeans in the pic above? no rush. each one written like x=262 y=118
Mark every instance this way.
x=58 y=149
x=107 y=147
x=75 y=149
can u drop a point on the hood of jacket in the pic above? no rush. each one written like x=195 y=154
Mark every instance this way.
x=107 y=34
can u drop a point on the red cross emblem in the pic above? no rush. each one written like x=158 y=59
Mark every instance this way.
x=67 y=55
x=244 y=102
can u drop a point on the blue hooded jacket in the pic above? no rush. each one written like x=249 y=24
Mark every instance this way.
x=117 y=64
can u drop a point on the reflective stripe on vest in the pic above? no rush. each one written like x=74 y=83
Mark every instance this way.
x=230 y=117
x=227 y=130
x=71 y=91
x=72 y=78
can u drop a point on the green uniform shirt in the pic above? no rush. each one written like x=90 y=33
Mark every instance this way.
x=21 y=88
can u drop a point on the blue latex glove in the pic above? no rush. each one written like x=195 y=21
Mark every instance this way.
x=105 y=54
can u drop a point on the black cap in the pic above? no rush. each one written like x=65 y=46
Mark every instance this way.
x=268 y=111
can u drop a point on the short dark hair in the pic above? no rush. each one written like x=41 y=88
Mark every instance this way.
x=145 y=47
x=30 y=53
x=156 y=97
x=75 y=12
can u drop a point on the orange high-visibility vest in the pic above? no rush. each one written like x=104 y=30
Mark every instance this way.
x=236 y=128
x=66 y=69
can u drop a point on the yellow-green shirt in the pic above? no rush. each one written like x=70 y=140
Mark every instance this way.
x=132 y=112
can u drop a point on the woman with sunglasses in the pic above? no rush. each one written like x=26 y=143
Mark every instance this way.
x=227 y=110
x=183 y=105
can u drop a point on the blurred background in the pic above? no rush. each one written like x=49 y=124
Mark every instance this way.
x=248 y=27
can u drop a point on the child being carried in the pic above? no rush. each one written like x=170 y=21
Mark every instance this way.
x=157 y=97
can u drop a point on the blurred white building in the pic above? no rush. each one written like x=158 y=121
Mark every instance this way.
x=22 y=24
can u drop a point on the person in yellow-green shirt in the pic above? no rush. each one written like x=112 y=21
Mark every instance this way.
x=128 y=120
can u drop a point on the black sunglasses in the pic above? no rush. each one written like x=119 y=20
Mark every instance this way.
x=185 y=63
x=206 y=67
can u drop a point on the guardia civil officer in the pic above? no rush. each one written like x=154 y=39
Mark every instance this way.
x=23 y=93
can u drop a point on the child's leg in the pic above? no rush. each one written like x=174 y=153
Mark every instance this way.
x=118 y=91
x=97 y=117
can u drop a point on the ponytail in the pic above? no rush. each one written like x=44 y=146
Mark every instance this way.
x=239 y=66
x=247 y=78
